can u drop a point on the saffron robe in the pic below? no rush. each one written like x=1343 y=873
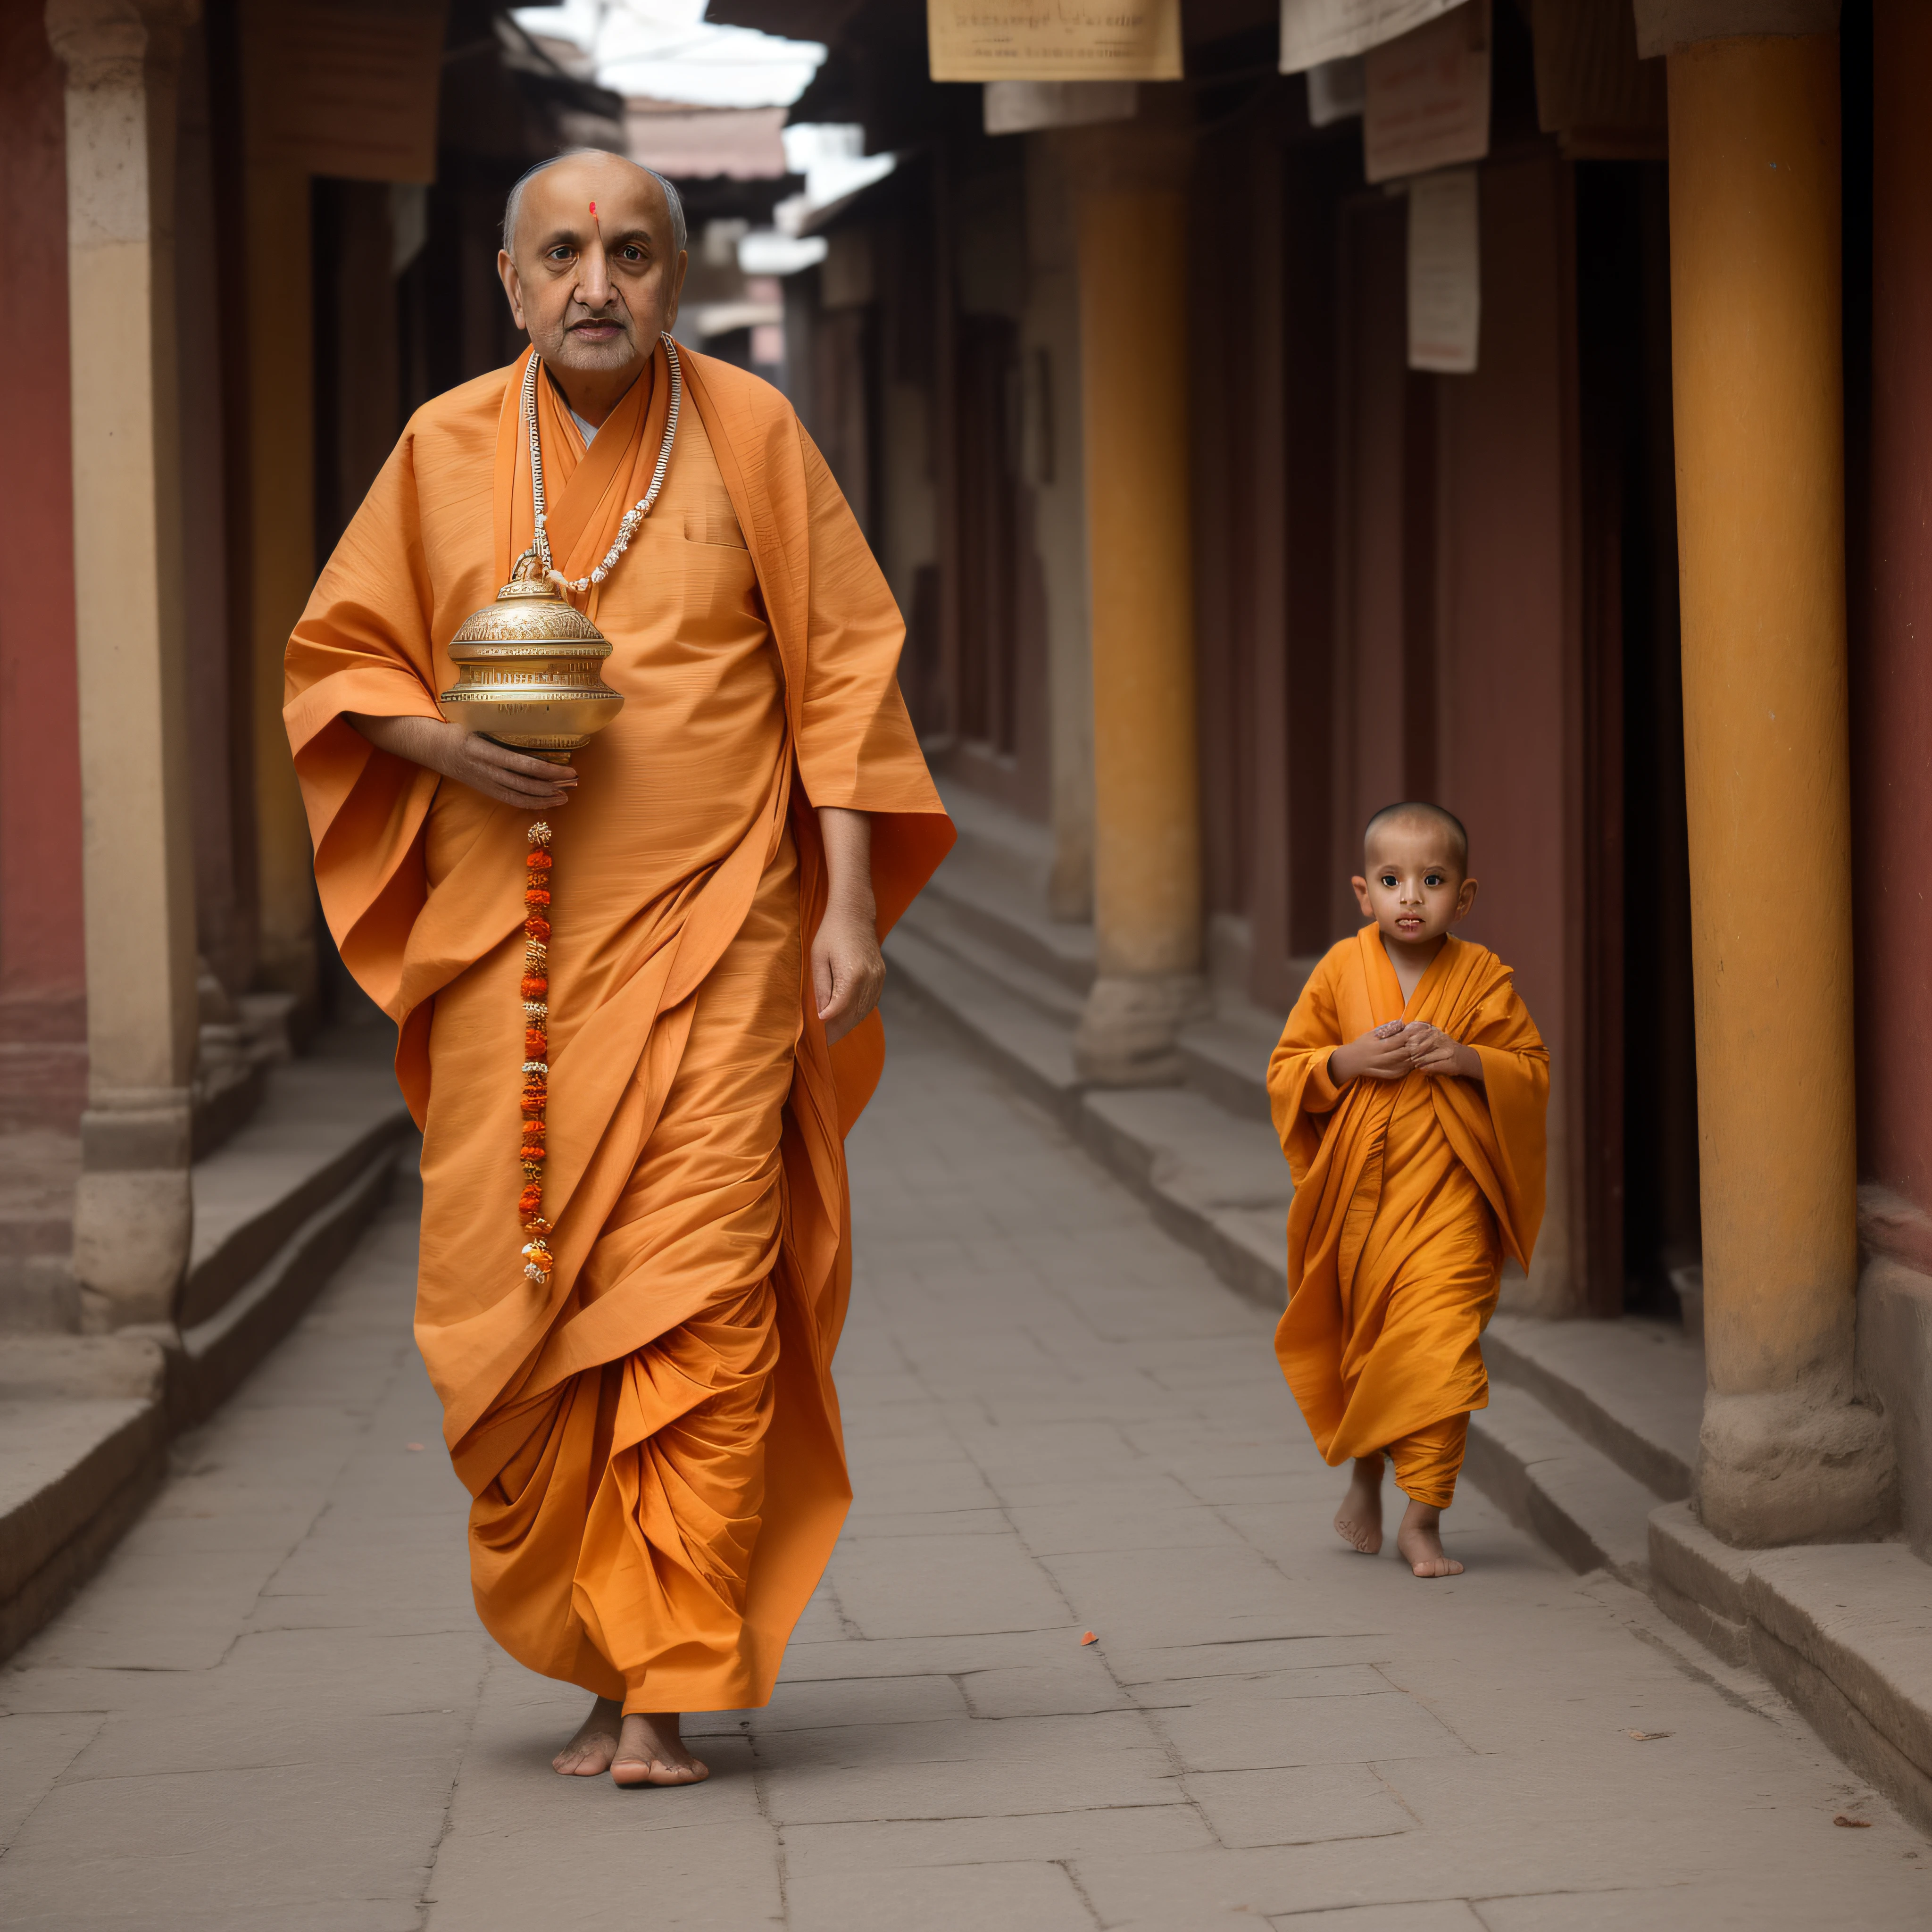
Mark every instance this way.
x=1408 y=1195
x=651 y=1437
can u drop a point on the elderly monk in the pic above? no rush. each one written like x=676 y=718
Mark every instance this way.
x=1409 y=1090
x=649 y=1431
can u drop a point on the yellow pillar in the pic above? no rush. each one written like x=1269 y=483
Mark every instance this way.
x=1130 y=184
x=1786 y=1453
x=133 y=1213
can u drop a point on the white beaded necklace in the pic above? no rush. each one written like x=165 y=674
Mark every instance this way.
x=638 y=511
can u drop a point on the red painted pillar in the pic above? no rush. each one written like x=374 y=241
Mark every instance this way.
x=43 y=1005
x=1892 y=725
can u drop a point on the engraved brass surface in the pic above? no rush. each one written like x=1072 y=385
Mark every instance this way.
x=527 y=672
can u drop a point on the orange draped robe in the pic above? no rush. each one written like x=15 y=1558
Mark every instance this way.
x=1408 y=1195
x=651 y=1437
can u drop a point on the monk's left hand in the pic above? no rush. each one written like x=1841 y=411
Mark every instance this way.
x=1432 y=1051
x=848 y=972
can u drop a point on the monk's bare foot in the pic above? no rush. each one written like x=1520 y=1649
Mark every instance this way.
x=1358 y=1523
x=589 y=1753
x=651 y=1752
x=1419 y=1540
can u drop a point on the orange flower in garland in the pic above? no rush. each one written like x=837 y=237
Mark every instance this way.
x=535 y=1099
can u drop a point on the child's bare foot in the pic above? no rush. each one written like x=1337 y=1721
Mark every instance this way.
x=650 y=1751
x=1419 y=1540
x=589 y=1753
x=1358 y=1523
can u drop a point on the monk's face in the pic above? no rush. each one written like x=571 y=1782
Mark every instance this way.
x=1413 y=887
x=594 y=292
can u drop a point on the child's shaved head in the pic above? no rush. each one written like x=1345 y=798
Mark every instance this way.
x=1419 y=815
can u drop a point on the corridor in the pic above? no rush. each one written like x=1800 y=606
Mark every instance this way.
x=274 y=1708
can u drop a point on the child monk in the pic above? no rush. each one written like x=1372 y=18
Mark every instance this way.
x=1409 y=1090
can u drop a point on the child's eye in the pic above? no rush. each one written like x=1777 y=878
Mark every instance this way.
x=1388 y=878
x=1433 y=879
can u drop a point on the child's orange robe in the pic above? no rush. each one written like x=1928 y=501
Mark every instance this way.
x=1408 y=1195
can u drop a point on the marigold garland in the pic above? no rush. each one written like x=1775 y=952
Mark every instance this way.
x=538 y=1261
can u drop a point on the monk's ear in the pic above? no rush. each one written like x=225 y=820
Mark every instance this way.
x=677 y=289
x=513 y=286
x=1465 y=899
x=1361 y=886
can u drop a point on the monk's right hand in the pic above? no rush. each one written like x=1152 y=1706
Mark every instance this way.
x=1378 y=1055
x=510 y=777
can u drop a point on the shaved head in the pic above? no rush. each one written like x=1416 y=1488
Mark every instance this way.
x=1418 y=814
x=673 y=205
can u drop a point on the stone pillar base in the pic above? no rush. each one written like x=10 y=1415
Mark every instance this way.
x=1128 y=1031
x=134 y=1210
x=1804 y=1465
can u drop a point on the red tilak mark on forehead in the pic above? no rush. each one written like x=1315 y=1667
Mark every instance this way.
x=593 y=210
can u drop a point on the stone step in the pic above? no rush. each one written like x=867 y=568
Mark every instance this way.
x=1227 y=1059
x=1547 y=1479
x=977 y=898
x=322 y=1122
x=86 y=1420
x=1844 y=1629
x=1699 y=1581
x=1014 y=851
x=216 y=1354
x=83 y=1437
x=938 y=921
x=1216 y=1181
x=1633 y=1388
x=1000 y=1027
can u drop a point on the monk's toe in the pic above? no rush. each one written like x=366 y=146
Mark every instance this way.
x=634 y=1773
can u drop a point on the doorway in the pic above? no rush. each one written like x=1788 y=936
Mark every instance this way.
x=1642 y=1166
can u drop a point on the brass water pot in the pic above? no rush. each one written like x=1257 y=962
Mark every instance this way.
x=527 y=670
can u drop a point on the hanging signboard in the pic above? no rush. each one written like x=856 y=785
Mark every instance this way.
x=1054 y=39
x=1445 y=272
x=1315 y=31
x=1592 y=92
x=1426 y=100
x=1021 y=106
x=1335 y=91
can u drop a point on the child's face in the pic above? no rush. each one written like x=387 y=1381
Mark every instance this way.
x=1414 y=888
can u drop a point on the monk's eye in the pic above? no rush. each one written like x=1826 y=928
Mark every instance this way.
x=631 y=253
x=560 y=253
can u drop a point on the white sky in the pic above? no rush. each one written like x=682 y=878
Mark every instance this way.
x=666 y=50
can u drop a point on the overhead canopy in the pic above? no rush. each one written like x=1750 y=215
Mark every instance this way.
x=337 y=88
x=668 y=50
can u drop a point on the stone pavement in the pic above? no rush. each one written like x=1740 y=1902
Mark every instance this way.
x=1059 y=1421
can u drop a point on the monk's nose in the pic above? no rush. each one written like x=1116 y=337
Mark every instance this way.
x=593 y=288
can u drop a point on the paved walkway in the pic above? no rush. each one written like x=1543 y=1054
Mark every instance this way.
x=274 y=1710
